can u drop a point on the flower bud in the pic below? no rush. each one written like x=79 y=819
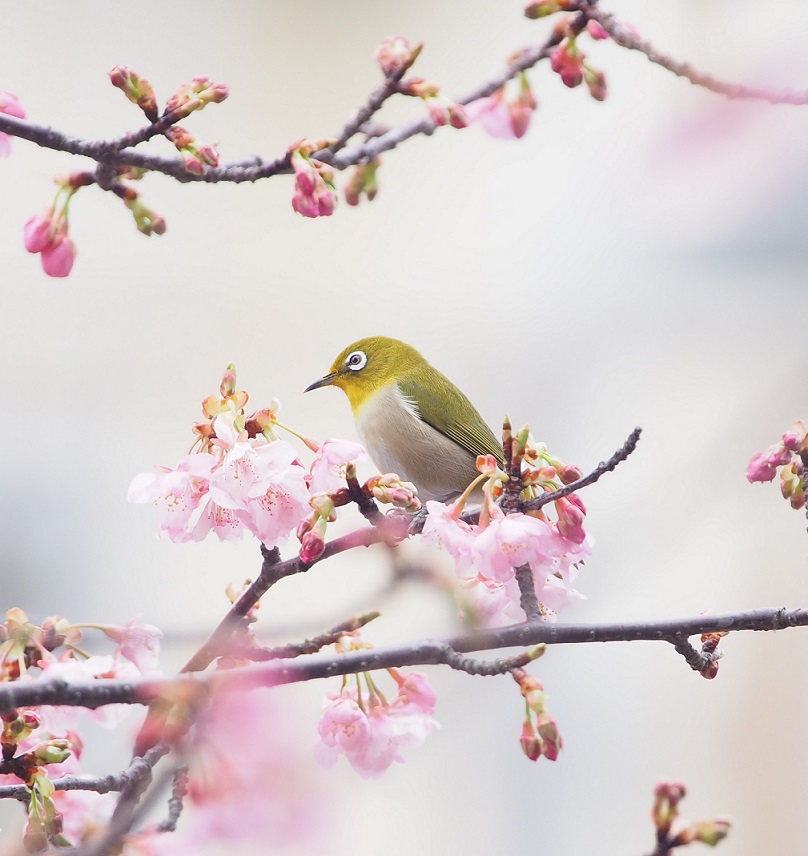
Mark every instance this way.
x=532 y=745
x=395 y=55
x=548 y=730
x=52 y=752
x=37 y=231
x=595 y=30
x=312 y=546
x=136 y=88
x=567 y=61
x=707 y=831
x=596 y=83
x=795 y=436
x=667 y=796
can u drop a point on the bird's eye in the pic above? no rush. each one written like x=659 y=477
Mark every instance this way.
x=356 y=361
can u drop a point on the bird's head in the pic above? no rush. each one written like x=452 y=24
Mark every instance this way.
x=368 y=365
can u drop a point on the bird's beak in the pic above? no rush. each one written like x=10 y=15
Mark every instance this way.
x=324 y=381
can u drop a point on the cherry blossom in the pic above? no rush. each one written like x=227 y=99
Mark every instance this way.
x=328 y=468
x=371 y=736
x=10 y=105
x=505 y=114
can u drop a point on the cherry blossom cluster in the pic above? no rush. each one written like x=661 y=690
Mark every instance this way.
x=667 y=796
x=371 y=730
x=240 y=477
x=43 y=743
x=488 y=554
x=790 y=455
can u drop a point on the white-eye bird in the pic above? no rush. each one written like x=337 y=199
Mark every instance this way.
x=412 y=420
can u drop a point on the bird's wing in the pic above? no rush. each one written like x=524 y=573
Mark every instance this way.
x=467 y=428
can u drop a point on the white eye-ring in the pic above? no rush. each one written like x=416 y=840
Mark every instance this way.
x=356 y=361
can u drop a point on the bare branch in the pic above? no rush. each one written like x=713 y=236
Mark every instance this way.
x=601 y=469
x=627 y=39
x=97 y=693
x=308 y=646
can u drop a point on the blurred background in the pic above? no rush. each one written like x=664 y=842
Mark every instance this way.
x=637 y=262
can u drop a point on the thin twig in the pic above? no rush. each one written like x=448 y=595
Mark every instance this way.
x=176 y=801
x=627 y=39
x=272 y=571
x=600 y=470
x=307 y=646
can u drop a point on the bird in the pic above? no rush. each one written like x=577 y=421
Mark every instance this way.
x=412 y=420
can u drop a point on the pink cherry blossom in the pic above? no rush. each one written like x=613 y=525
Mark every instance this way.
x=506 y=114
x=83 y=812
x=415 y=689
x=328 y=468
x=372 y=735
x=138 y=643
x=176 y=493
x=514 y=540
x=62 y=719
x=443 y=527
x=244 y=781
x=276 y=514
x=10 y=105
x=486 y=603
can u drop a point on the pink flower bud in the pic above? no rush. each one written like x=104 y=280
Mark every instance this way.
x=548 y=731
x=569 y=473
x=57 y=259
x=305 y=205
x=532 y=745
x=595 y=30
x=37 y=232
x=762 y=467
x=570 y=520
x=312 y=546
x=208 y=154
x=395 y=55
x=596 y=83
x=567 y=62
x=795 y=436
x=193 y=165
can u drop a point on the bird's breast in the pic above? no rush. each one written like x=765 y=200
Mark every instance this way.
x=399 y=441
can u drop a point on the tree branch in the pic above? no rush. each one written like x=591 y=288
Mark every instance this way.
x=97 y=693
x=627 y=39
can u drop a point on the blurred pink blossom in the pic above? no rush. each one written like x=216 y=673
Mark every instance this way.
x=10 y=105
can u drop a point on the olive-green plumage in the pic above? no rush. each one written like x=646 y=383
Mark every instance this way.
x=412 y=419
